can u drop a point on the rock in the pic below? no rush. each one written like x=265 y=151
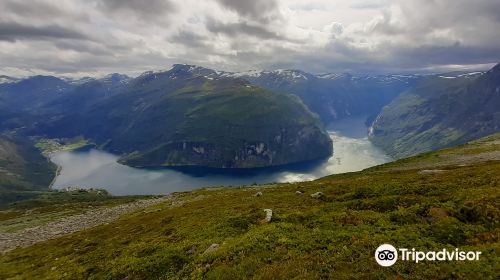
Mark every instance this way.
x=317 y=195
x=258 y=194
x=269 y=215
x=214 y=247
x=298 y=192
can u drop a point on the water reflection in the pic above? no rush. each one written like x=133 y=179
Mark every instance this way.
x=93 y=168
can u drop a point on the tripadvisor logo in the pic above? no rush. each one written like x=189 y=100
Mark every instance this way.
x=387 y=255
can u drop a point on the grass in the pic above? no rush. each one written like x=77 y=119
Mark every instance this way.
x=333 y=237
x=44 y=206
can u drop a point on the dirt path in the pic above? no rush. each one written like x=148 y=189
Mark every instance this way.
x=66 y=225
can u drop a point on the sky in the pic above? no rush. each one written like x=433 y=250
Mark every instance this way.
x=91 y=38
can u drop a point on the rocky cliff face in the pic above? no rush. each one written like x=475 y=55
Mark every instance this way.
x=287 y=146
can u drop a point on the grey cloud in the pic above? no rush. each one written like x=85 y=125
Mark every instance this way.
x=92 y=48
x=132 y=35
x=426 y=56
x=11 y=31
x=241 y=28
x=189 y=39
x=424 y=16
x=259 y=10
x=386 y=25
x=33 y=8
x=143 y=9
x=87 y=62
x=373 y=4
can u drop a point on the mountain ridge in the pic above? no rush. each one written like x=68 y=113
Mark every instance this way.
x=438 y=113
x=172 y=118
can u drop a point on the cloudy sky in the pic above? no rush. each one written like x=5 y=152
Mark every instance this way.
x=84 y=37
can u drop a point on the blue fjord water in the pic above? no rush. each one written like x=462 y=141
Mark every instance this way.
x=99 y=169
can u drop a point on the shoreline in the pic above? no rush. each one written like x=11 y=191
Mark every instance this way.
x=57 y=173
x=48 y=153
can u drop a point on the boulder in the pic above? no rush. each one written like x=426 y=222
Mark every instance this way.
x=269 y=215
x=317 y=195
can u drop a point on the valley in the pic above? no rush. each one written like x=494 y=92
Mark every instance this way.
x=98 y=169
x=443 y=199
x=190 y=127
x=237 y=139
x=205 y=175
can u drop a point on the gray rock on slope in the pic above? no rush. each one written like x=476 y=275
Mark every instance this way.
x=317 y=195
x=269 y=215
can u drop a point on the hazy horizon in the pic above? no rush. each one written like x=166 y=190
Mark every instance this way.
x=98 y=75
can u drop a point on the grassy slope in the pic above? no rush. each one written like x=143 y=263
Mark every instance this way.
x=44 y=206
x=23 y=167
x=333 y=237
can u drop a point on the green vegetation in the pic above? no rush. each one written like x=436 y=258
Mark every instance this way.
x=41 y=207
x=182 y=120
x=445 y=199
x=439 y=113
x=48 y=146
x=22 y=168
x=241 y=126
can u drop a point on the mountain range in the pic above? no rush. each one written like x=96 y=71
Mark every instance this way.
x=169 y=118
x=191 y=115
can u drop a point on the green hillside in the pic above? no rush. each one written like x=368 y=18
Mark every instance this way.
x=233 y=125
x=22 y=168
x=439 y=113
x=175 y=118
x=445 y=199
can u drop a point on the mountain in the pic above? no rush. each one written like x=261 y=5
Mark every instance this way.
x=441 y=200
x=32 y=92
x=334 y=96
x=23 y=102
x=442 y=111
x=182 y=116
x=179 y=118
x=22 y=166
